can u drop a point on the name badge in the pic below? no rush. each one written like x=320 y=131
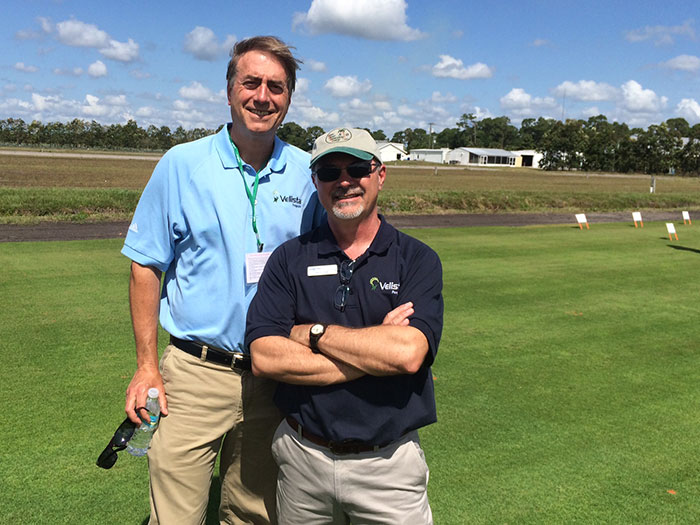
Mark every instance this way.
x=254 y=266
x=324 y=269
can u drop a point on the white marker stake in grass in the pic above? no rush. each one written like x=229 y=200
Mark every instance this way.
x=637 y=218
x=581 y=219
x=686 y=218
x=671 y=231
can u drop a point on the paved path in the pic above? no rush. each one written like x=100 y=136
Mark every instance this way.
x=66 y=231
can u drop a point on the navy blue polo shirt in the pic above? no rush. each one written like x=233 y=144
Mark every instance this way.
x=395 y=269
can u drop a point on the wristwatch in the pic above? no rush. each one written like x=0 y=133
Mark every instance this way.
x=315 y=333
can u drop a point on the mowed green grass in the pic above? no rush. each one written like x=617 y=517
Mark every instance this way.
x=567 y=380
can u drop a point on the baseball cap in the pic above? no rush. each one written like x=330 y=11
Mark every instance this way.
x=356 y=142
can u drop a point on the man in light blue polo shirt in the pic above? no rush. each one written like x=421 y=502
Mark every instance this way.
x=208 y=219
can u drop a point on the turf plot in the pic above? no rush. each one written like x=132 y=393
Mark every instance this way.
x=567 y=379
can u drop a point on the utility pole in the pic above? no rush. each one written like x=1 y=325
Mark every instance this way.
x=431 y=124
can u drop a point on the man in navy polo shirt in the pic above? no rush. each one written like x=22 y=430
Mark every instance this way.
x=211 y=213
x=348 y=318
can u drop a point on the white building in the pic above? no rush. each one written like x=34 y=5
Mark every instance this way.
x=430 y=155
x=389 y=151
x=481 y=157
x=528 y=158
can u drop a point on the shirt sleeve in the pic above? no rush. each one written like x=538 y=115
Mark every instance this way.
x=271 y=311
x=150 y=240
x=422 y=285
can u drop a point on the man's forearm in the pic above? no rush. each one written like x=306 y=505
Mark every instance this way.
x=285 y=360
x=376 y=350
x=144 y=299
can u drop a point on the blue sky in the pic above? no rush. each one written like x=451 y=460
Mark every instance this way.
x=381 y=64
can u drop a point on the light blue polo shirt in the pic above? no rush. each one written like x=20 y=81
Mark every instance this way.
x=193 y=222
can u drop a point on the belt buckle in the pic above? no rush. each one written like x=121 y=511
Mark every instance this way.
x=235 y=360
x=341 y=448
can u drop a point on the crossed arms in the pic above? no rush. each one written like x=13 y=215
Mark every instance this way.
x=346 y=354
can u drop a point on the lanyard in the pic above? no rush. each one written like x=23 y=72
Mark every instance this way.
x=251 y=195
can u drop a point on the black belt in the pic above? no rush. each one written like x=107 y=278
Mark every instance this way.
x=348 y=446
x=234 y=360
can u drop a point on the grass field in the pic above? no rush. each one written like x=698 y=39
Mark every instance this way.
x=567 y=381
x=38 y=188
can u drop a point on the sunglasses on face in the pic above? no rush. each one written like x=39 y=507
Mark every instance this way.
x=118 y=442
x=356 y=171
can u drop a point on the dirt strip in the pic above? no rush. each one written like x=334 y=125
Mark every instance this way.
x=66 y=231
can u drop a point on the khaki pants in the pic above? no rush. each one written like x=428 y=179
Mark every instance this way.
x=211 y=407
x=316 y=486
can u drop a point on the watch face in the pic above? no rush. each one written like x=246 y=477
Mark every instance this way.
x=317 y=329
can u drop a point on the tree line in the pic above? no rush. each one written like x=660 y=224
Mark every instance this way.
x=589 y=145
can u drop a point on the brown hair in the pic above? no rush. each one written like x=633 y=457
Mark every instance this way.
x=269 y=44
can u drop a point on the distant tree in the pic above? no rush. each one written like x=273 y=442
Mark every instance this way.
x=294 y=134
x=312 y=133
x=496 y=133
x=378 y=135
x=657 y=149
x=562 y=146
x=678 y=126
x=467 y=124
x=532 y=131
x=689 y=158
x=450 y=138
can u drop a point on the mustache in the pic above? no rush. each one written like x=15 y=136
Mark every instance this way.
x=340 y=193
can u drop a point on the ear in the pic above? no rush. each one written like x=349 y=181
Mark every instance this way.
x=313 y=179
x=381 y=175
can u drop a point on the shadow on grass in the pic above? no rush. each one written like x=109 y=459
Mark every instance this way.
x=684 y=248
x=212 y=507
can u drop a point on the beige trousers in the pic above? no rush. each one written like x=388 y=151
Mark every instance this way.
x=212 y=408
x=315 y=486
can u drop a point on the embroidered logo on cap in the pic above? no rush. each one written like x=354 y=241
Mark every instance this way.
x=338 y=135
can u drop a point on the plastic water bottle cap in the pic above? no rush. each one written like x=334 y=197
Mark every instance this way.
x=153 y=393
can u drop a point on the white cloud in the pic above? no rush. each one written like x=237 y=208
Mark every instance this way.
x=182 y=105
x=21 y=66
x=540 y=42
x=302 y=86
x=197 y=91
x=636 y=99
x=585 y=90
x=75 y=33
x=27 y=34
x=146 y=111
x=439 y=98
x=371 y=19
x=79 y=34
x=93 y=108
x=315 y=65
x=689 y=109
x=121 y=51
x=97 y=69
x=116 y=100
x=688 y=63
x=45 y=23
x=75 y=72
x=522 y=104
x=349 y=86
x=661 y=35
x=202 y=44
x=450 y=67
x=139 y=73
x=305 y=113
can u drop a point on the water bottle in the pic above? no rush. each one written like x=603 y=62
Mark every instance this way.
x=138 y=444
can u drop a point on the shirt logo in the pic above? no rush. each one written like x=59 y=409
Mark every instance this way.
x=391 y=286
x=134 y=227
x=290 y=199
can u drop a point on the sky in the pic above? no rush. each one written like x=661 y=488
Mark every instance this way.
x=379 y=64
